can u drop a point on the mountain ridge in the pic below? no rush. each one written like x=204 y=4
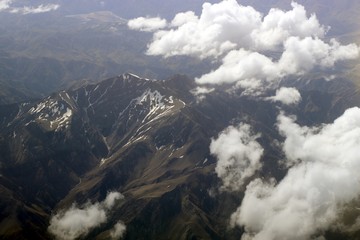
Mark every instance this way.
x=149 y=140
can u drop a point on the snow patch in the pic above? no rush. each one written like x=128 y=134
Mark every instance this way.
x=53 y=113
x=131 y=74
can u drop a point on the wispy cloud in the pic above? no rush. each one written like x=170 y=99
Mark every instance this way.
x=6 y=5
x=33 y=10
x=201 y=92
x=238 y=155
x=118 y=231
x=78 y=221
x=323 y=177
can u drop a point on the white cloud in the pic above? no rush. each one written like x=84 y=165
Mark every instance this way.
x=118 y=231
x=256 y=51
x=238 y=155
x=287 y=96
x=254 y=71
x=303 y=55
x=228 y=25
x=244 y=68
x=34 y=10
x=323 y=177
x=183 y=17
x=78 y=221
x=5 y=4
x=147 y=24
x=219 y=28
x=111 y=198
x=200 y=92
x=278 y=25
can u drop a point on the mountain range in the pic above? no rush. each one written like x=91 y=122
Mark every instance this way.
x=44 y=53
x=86 y=153
x=149 y=140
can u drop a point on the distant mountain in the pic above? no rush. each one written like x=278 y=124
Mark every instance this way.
x=67 y=137
x=144 y=138
x=342 y=15
x=41 y=54
x=89 y=40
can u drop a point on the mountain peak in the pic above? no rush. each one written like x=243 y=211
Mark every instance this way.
x=132 y=76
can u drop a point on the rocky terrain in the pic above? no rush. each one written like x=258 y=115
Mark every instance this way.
x=147 y=139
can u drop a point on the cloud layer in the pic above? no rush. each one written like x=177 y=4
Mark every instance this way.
x=255 y=71
x=5 y=5
x=256 y=51
x=228 y=25
x=322 y=178
x=238 y=155
x=78 y=221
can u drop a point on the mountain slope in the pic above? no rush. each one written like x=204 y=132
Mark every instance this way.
x=148 y=140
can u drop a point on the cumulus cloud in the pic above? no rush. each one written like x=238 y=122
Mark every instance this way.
x=244 y=68
x=219 y=28
x=118 y=231
x=322 y=178
x=278 y=25
x=256 y=50
x=5 y=5
x=228 y=25
x=287 y=96
x=147 y=24
x=78 y=221
x=254 y=71
x=303 y=55
x=183 y=18
x=238 y=155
